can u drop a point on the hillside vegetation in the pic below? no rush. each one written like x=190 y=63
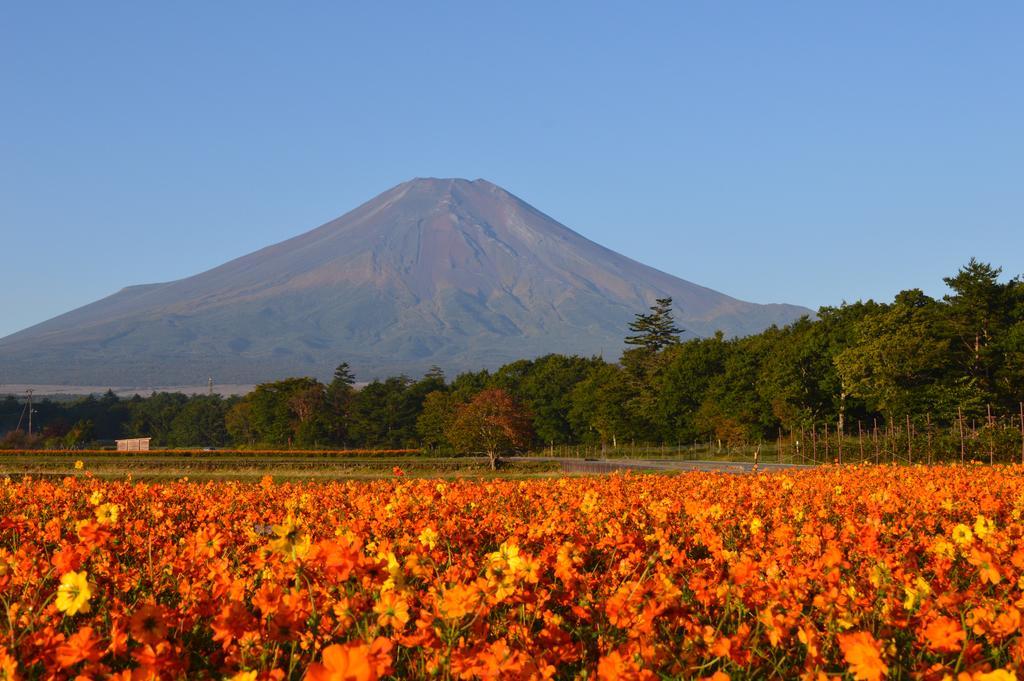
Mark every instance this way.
x=944 y=373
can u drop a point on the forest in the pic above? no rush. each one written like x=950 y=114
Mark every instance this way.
x=917 y=363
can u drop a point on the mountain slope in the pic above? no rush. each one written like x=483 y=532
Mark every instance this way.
x=434 y=271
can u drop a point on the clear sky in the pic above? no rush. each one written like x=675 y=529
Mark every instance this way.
x=801 y=152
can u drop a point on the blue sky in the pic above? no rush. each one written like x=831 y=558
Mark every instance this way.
x=801 y=152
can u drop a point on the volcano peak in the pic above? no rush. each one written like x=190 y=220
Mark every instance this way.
x=447 y=271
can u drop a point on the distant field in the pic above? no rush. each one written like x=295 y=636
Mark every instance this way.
x=236 y=465
x=226 y=390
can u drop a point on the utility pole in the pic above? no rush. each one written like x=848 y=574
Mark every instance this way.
x=29 y=391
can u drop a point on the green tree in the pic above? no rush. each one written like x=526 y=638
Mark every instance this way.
x=733 y=394
x=80 y=435
x=899 y=359
x=284 y=412
x=645 y=362
x=656 y=330
x=339 y=396
x=597 y=413
x=979 y=314
x=436 y=417
x=545 y=385
x=238 y=421
x=682 y=386
x=384 y=415
x=200 y=423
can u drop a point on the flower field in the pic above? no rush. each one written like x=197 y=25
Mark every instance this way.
x=863 y=572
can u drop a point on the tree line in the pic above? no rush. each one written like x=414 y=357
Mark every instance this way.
x=917 y=362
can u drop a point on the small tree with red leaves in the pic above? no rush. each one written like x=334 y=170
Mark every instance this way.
x=493 y=423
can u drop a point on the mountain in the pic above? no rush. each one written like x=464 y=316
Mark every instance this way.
x=449 y=272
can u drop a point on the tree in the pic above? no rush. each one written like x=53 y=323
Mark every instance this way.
x=154 y=416
x=343 y=377
x=338 y=404
x=899 y=359
x=492 y=423
x=436 y=417
x=383 y=415
x=979 y=312
x=656 y=330
x=680 y=388
x=283 y=412
x=80 y=434
x=645 y=361
x=201 y=422
x=732 y=394
x=239 y=423
x=597 y=406
x=545 y=385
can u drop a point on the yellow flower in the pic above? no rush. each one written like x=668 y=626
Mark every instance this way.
x=983 y=527
x=877 y=575
x=107 y=514
x=245 y=676
x=915 y=593
x=395 y=577
x=79 y=465
x=290 y=540
x=509 y=555
x=962 y=535
x=428 y=538
x=755 y=525
x=995 y=675
x=74 y=593
x=96 y=497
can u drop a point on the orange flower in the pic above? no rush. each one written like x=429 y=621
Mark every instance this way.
x=80 y=646
x=352 y=662
x=863 y=655
x=458 y=601
x=944 y=635
x=232 y=623
x=209 y=542
x=267 y=598
x=147 y=624
x=392 y=610
x=986 y=569
x=1007 y=623
x=8 y=667
x=615 y=667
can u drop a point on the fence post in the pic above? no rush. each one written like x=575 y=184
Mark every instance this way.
x=929 y=422
x=874 y=439
x=991 y=438
x=839 y=437
x=963 y=446
x=860 y=440
x=910 y=442
x=1022 y=433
